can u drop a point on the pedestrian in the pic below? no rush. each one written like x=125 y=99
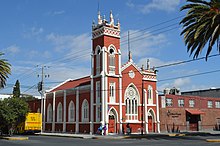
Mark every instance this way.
x=128 y=129
x=99 y=131
x=104 y=129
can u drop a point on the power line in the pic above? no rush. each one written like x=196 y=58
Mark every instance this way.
x=197 y=74
x=185 y=61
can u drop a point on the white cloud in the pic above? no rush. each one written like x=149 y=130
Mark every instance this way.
x=13 y=49
x=33 y=32
x=181 y=82
x=55 y=13
x=162 y=5
x=62 y=73
x=144 y=43
x=154 y=62
x=130 y=4
x=78 y=45
x=58 y=12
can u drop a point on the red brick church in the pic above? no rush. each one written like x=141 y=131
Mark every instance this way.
x=114 y=94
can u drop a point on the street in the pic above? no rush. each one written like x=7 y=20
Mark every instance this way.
x=65 y=141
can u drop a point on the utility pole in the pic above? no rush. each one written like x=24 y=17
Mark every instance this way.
x=41 y=90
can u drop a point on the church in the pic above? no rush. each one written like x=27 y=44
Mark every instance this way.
x=115 y=94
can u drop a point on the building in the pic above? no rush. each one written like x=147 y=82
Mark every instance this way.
x=189 y=113
x=212 y=92
x=113 y=94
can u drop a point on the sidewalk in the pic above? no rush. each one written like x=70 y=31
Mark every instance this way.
x=116 y=136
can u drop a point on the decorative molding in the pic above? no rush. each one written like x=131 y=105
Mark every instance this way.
x=105 y=31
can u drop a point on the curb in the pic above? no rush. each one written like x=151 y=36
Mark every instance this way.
x=15 y=138
x=213 y=140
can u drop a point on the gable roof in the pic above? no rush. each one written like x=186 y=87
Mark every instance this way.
x=129 y=63
x=70 y=83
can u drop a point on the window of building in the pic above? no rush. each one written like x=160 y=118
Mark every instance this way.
x=209 y=104
x=98 y=61
x=98 y=113
x=150 y=95
x=169 y=102
x=191 y=103
x=112 y=92
x=59 y=112
x=98 y=92
x=49 y=113
x=71 y=112
x=85 y=111
x=217 y=104
x=111 y=60
x=181 y=102
x=131 y=102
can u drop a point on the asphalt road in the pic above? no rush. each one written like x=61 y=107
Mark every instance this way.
x=65 y=141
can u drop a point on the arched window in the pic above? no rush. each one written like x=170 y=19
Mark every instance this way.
x=71 y=112
x=98 y=65
x=59 y=112
x=85 y=111
x=49 y=113
x=131 y=102
x=112 y=60
x=150 y=95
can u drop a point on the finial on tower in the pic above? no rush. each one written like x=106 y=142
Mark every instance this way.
x=148 y=64
x=99 y=18
x=130 y=56
x=111 y=18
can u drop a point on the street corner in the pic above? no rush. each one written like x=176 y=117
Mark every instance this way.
x=213 y=140
x=15 y=138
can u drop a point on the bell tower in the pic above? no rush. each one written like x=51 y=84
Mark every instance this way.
x=106 y=66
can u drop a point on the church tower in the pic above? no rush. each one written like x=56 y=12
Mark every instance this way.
x=105 y=69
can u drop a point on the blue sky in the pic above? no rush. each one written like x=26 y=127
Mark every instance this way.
x=57 y=34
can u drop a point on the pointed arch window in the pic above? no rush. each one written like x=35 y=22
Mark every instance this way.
x=150 y=95
x=112 y=60
x=131 y=102
x=71 y=112
x=85 y=111
x=49 y=113
x=59 y=112
x=98 y=64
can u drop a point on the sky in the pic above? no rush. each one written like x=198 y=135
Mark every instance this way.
x=56 y=35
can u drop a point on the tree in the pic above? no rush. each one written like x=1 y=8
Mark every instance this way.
x=13 y=111
x=16 y=89
x=201 y=26
x=5 y=70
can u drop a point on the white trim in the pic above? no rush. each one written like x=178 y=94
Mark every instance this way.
x=158 y=112
x=77 y=110
x=145 y=112
x=92 y=106
x=85 y=111
x=58 y=85
x=120 y=104
x=112 y=108
x=59 y=114
x=54 y=101
x=71 y=105
x=49 y=111
x=129 y=64
x=113 y=103
x=64 y=111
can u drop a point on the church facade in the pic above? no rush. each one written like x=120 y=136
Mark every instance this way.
x=114 y=94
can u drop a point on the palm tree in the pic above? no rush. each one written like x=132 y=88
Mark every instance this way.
x=5 y=70
x=201 y=26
